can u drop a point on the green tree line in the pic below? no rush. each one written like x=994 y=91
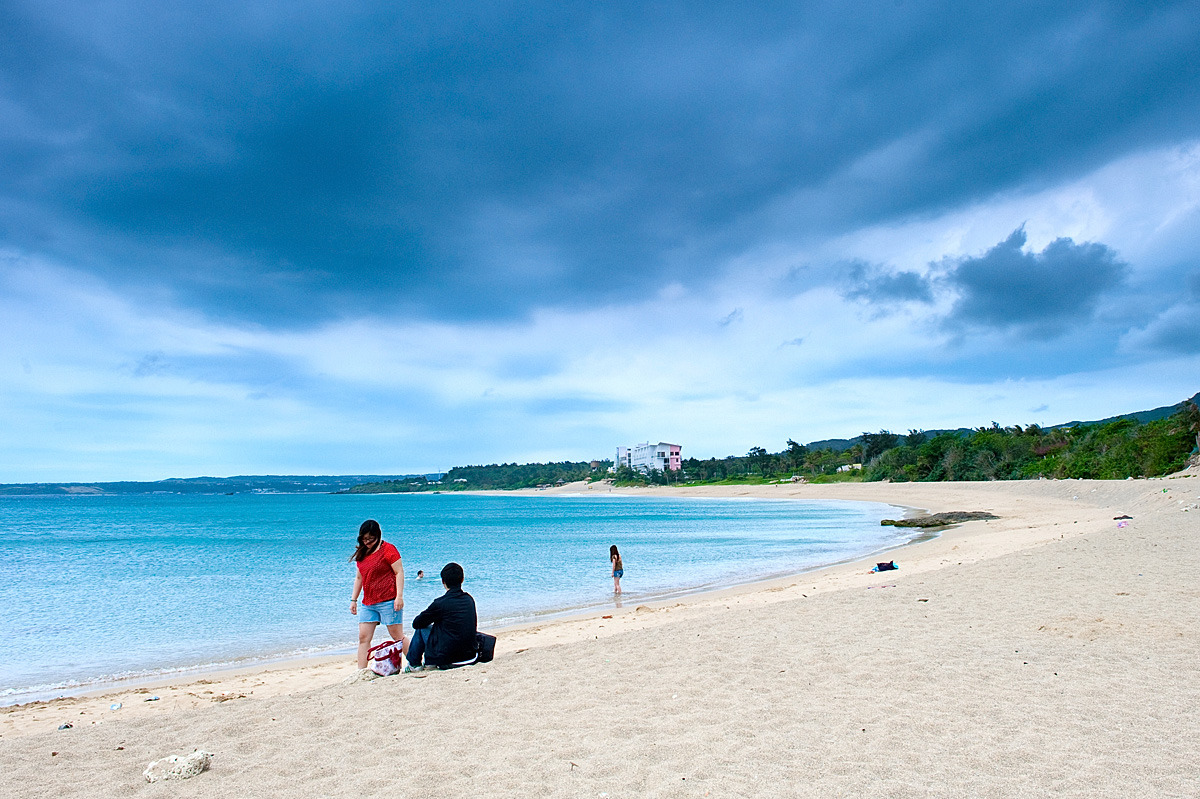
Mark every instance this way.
x=759 y=464
x=1110 y=451
x=493 y=476
x=520 y=475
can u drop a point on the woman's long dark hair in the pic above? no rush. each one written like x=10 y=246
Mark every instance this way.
x=613 y=554
x=367 y=530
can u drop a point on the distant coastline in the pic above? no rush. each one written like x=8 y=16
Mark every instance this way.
x=247 y=484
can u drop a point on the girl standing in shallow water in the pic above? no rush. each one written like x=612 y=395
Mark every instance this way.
x=618 y=570
x=380 y=578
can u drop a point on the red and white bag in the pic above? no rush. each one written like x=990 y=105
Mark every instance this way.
x=387 y=658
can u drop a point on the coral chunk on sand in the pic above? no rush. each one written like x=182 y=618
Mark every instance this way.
x=178 y=767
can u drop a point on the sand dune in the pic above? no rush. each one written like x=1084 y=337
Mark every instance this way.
x=1046 y=653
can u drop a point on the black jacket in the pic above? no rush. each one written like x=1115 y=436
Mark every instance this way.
x=452 y=639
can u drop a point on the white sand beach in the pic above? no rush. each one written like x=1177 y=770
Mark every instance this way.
x=1049 y=652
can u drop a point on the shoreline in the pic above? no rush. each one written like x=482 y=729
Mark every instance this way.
x=135 y=687
x=303 y=673
x=274 y=674
x=235 y=678
x=1049 y=652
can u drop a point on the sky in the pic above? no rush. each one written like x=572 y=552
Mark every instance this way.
x=386 y=238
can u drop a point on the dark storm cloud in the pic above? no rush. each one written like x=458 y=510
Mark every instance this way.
x=872 y=284
x=288 y=162
x=1040 y=294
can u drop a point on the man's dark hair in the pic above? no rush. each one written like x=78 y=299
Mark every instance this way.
x=452 y=575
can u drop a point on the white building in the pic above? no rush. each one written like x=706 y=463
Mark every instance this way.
x=647 y=456
x=622 y=458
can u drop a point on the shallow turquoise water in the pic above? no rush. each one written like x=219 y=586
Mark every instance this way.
x=97 y=589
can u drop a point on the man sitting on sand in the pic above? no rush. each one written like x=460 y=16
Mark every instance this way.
x=444 y=633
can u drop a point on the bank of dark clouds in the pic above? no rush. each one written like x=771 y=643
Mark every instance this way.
x=289 y=164
x=1038 y=294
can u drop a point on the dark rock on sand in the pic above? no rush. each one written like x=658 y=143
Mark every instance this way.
x=941 y=519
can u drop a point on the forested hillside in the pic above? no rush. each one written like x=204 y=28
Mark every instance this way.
x=1115 y=450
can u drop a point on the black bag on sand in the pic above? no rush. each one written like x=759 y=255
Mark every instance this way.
x=485 y=645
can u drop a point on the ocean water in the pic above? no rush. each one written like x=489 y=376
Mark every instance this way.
x=100 y=589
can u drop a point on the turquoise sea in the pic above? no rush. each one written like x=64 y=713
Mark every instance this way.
x=98 y=589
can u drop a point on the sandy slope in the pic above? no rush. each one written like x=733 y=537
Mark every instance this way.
x=1049 y=653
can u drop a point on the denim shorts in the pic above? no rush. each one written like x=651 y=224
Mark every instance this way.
x=382 y=613
x=618 y=573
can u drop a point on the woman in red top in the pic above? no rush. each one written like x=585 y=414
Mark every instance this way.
x=380 y=578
